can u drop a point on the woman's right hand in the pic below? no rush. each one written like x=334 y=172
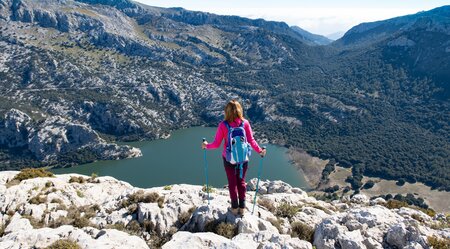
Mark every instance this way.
x=204 y=144
x=263 y=152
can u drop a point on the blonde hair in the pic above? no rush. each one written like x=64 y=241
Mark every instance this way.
x=233 y=110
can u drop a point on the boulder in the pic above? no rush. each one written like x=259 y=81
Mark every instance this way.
x=18 y=224
x=401 y=235
x=252 y=224
x=360 y=199
x=269 y=187
x=351 y=240
x=199 y=240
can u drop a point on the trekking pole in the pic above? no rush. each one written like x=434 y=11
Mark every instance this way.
x=206 y=170
x=257 y=182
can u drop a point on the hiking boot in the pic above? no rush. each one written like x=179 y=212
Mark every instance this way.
x=234 y=211
x=241 y=211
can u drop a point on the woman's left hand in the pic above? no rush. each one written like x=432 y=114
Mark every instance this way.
x=204 y=145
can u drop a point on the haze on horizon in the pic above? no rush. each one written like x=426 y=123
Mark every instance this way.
x=322 y=17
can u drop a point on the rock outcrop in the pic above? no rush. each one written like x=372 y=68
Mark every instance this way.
x=37 y=212
x=57 y=136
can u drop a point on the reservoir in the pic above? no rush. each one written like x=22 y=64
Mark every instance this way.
x=179 y=159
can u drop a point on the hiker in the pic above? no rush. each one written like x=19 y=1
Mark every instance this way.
x=238 y=129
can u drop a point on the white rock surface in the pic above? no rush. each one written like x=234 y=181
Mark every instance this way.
x=85 y=238
x=355 y=224
x=199 y=240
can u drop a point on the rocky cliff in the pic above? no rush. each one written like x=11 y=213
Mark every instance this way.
x=102 y=212
x=56 y=137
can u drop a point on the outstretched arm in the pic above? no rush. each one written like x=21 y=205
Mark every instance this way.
x=218 y=138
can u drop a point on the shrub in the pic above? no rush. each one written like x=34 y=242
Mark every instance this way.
x=346 y=189
x=302 y=231
x=430 y=212
x=286 y=210
x=56 y=200
x=29 y=173
x=118 y=226
x=93 y=178
x=49 y=184
x=80 y=194
x=148 y=226
x=317 y=206
x=132 y=208
x=2 y=229
x=331 y=189
x=52 y=190
x=276 y=223
x=208 y=190
x=10 y=212
x=438 y=243
x=38 y=199
x=64 y=244
x=224 y=229
x=184 y=217
x=160 y=201
x=268 y=204
x=400 y=182
x=417 y=217
x=81 y=222
x=369 y=184
x=395 y=204
x=77 y=179
x=35 y=223
x=134 y=227
x=157 y=241
x=168 y=187
x=74 y=218
x=140 y=196
x=95 y=207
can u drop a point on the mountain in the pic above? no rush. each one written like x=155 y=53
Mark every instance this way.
x=418 y=43
x=365 y=33
x=336 y=35
x=315 y=39
x=116 y=70
x=103 y=212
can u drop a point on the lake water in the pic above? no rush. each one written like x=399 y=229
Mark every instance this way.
x=179 y=159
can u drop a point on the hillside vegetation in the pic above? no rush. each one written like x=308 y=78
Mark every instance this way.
x=376 y=100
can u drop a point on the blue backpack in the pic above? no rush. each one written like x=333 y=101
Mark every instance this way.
x=238 y=149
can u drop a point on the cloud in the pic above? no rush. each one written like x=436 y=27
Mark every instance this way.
x=313 y=16
x=317 y=20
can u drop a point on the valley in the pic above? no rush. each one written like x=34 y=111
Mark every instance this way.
x=77 y=76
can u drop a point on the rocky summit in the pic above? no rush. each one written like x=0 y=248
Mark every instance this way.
x=103 y=212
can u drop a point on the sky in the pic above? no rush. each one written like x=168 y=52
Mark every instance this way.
x=322 y=17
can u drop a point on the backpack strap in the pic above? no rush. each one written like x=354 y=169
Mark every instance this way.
x=229 y=134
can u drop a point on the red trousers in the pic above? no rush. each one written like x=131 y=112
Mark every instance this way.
x=236 y=185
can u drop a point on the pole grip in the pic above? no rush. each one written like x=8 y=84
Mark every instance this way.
x=203 y=139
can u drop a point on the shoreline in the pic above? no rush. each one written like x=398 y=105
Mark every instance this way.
x=437 y=200
x=311 y=167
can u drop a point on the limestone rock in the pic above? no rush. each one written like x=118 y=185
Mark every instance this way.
x=18 y=224
x=360 y=199
x=199 y=240
x=57 y=135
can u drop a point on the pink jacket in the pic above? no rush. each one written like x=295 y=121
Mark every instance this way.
x=222 y=133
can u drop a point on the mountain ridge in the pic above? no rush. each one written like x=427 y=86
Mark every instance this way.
x=140 y=72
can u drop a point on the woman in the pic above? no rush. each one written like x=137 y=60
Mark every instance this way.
x=236 y=184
